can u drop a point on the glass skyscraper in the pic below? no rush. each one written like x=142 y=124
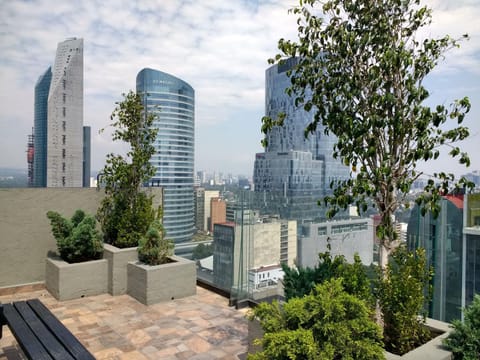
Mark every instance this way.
x=294 y=172
x=172 y=101
x=42 y=88
x=441 y=238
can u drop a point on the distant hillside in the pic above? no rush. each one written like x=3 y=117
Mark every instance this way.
x=13 y=177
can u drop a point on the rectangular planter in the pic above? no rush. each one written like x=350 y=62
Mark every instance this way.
x=71 y=281
x=153 y=284
x=117 y=267
x=432 y=350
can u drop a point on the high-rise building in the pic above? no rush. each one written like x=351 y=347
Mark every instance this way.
x=40 y=125
x=172 y=101
x=294 y=172
x=471 y=249
x=65 y=117
x=441 y=237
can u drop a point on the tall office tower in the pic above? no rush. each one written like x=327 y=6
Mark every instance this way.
x=293 y=173
x=173 y=102
x=441 y=237
x=40 y=125
x=86 y=168
x=65 y=117
x=471 y=246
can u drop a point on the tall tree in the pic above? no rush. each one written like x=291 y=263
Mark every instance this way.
x=126 y=211
x=361 y=71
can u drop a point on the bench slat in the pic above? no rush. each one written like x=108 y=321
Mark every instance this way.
x=43 y=334
x=25 y=337
x=76 y=349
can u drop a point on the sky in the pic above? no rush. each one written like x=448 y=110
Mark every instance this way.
x=219 y=47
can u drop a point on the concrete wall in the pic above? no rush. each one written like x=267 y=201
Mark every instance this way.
x=315 y=237
x=25 y=233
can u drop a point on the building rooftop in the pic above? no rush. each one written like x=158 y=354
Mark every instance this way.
x=198 y=327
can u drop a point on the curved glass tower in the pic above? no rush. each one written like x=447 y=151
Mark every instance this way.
x=42 y=87
x=172 y=100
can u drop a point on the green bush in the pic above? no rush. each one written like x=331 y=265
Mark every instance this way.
x=153 y=248
x=328 y=323
x=402 y=295
x=300 y=281
x=77 y=238
x=464 y=340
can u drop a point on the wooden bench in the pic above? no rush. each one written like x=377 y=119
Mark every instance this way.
x=39 y=333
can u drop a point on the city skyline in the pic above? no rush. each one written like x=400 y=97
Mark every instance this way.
x=221 y=50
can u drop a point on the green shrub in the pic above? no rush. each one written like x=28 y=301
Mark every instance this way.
x=464 y=340
x=329 y=323
x=401 y=292
x=77 y=239
x=300 y=281
x=153 y=248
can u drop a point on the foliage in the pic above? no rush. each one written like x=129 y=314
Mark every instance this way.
x=401 y=295
x=77 y=238
x=327 y=324
x=202 y=251
x=361 y=68
x=300 y=281
x=464 y=340
x=126 y=211
x=153 y=248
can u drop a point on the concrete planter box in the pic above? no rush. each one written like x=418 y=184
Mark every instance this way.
x=153 y=284
x=117 y=267
x=71 y=281
x=432 y=350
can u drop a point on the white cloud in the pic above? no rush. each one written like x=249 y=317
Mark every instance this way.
x=220 y=48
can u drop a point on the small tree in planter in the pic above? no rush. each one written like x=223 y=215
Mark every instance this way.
x=159 y=275
x=126 y=211
x=403 y=293
x=153 y=248
x=81 y=272
x=77 y=239
x=464 y=340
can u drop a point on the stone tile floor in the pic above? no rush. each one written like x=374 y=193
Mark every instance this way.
x=200 y=327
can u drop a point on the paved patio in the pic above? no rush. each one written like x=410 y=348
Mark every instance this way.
x=200 y=327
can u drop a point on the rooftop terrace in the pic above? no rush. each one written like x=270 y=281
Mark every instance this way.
x=199 y=327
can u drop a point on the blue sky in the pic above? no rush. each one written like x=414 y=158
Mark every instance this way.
x=219 y=47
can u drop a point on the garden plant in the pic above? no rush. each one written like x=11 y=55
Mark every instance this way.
x=126 y=211
x=77 y=238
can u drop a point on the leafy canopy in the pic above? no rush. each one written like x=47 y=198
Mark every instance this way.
x=361 y=71
x=126 y=211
